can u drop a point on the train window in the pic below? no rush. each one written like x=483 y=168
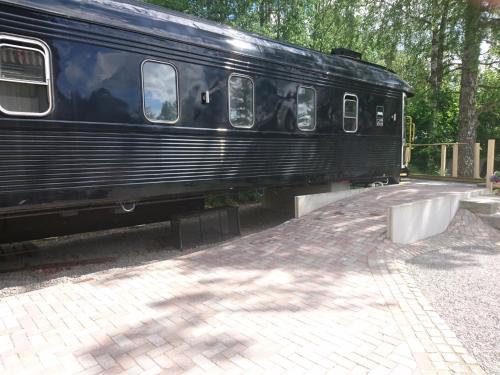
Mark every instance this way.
x=350 y=114
x=160 y=92
x=241 y=101
x=306 y=108
x=25 y=77
x=380 y=115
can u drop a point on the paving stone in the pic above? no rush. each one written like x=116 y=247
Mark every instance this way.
x=325 y=293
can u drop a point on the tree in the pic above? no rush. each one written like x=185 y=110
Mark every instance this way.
x=475 y=23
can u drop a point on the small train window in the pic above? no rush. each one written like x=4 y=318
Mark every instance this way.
x=160 y=94
x=306 y=108
x=350 y=113
x=25 y=77
x=380 y=115
x=241 y=101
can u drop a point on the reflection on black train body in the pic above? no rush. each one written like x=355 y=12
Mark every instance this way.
x=116 y=100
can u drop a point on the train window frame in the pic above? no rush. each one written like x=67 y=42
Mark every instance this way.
x=176 y=92
x=345 y=99
x=229 y=100
x=30 y=44
x=313 y=128
x=379 y=108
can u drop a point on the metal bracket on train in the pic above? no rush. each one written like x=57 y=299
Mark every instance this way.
x=127 y=206
x=379 y=183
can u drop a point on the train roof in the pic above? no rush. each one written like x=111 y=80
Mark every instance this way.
x=160 y=22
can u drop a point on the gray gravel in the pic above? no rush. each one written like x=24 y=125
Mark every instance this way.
x=460 y=275
x=120 y=248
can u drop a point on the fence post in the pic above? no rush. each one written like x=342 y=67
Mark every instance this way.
x=490 y=162
x=477 y=160
x=442 y=171
x=454 y=169
x=407 y=155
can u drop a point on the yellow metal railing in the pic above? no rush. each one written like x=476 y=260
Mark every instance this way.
x=410 y=145
x=409 y=138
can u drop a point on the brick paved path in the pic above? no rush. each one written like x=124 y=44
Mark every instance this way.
x=313 y=295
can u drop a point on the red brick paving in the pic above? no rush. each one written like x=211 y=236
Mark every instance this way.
x=314 y=295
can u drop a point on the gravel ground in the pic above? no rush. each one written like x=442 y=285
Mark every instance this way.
x=459 y=272
x=109 y=251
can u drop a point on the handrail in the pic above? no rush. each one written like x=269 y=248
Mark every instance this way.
x=437 y=144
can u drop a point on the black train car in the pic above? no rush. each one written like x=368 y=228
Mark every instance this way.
x=106 y=101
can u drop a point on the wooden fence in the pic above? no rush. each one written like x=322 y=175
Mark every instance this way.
x=490 y=160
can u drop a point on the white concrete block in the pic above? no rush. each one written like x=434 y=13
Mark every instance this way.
x=305 y=204
x=339 y=186
x=414 y=221
x=283 y=198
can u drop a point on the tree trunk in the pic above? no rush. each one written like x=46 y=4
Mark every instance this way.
x=264 y=14
x=468 y=87
x=439 y=21
x=278 y=20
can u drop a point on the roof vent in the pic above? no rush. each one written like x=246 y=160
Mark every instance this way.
x=344 y=52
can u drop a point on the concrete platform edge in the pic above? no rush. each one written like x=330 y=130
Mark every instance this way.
x=414 y=221
x=305 y=204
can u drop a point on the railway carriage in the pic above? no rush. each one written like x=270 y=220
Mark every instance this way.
x=111 y=103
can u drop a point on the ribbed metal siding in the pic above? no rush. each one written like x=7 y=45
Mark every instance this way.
x=41 y=160
x=47 y=160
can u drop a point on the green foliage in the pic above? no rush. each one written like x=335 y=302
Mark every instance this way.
x=233 y=199
x=179 y=5
x=488 y=99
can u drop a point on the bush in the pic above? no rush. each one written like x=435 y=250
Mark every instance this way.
x=233 y=198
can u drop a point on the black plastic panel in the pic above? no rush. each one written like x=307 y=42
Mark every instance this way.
x=204 y=227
